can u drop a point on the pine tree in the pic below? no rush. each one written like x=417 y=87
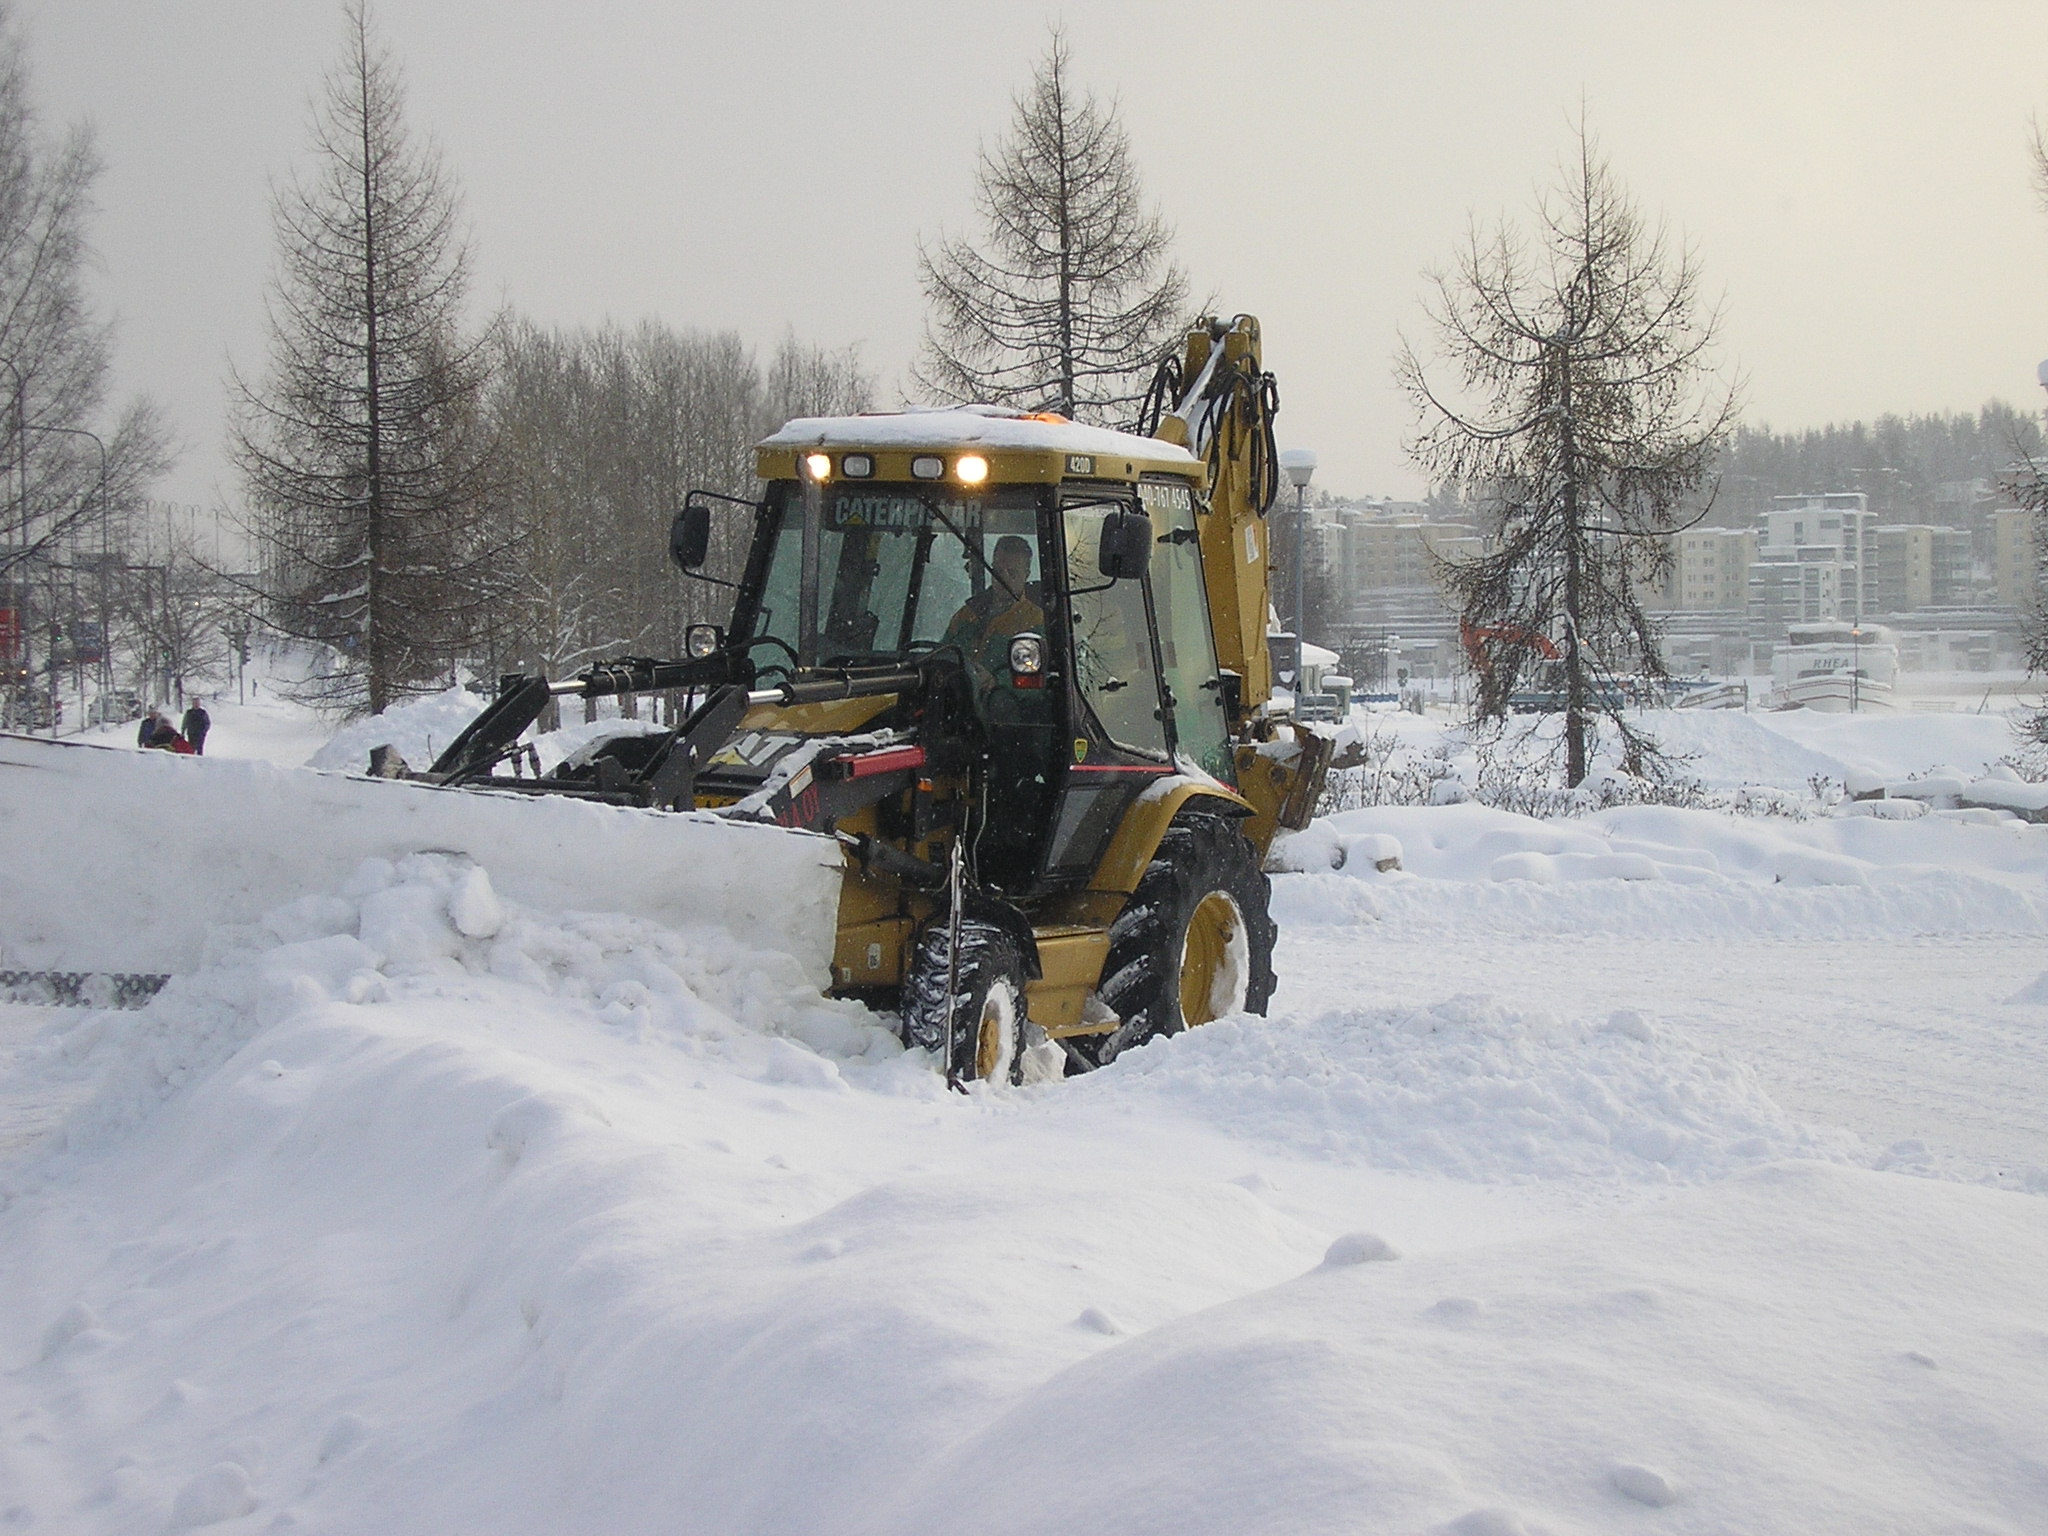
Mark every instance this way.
x=363 y=452
x=1582 y=416
x=1071 y=300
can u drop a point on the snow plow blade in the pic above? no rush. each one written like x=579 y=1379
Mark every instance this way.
x=117 y=862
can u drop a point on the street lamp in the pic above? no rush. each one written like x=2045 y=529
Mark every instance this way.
x=1299 y=465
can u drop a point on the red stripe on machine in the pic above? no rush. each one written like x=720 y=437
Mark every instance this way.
x=887 y=761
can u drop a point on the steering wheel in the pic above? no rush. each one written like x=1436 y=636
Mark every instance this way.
x=787 y=649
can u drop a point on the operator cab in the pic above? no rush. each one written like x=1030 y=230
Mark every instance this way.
x=1071 y=604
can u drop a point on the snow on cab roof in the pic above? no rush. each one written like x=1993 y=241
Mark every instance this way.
x=981 y=426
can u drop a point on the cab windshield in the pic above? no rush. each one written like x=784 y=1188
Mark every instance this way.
x=904 y=568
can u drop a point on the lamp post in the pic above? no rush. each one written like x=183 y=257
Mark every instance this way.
x=1299 y=465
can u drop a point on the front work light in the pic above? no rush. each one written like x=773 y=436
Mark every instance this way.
x=972 y=469
x=927 y=466
x=857 y=466
x=1027 y=662
x=818 y=465
x=701 y=640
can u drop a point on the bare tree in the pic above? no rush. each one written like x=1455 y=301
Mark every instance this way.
x=601 y=434
x=67 y=475
x=172 y=609
x=806 y=380
x=363 y=453
x=1071 y=302
x=1581 y=412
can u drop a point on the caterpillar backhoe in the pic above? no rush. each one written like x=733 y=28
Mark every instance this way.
x=1017 y=668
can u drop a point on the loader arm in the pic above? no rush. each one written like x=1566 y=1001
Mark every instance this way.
x=491 y=737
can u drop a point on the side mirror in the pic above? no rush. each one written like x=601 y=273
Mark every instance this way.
x=689 y=537
x=1126 y=545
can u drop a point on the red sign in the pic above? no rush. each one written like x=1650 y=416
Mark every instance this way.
x=10 y=635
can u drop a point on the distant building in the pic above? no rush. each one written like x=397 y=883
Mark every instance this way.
x=1709 y=571
x=1789 y=587
x=1395 y=551
x=1816 y=555
x=1385 y=553
x=1921 y=565
x=2013 y=558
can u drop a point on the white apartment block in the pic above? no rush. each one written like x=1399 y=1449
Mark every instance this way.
x=1816 y=553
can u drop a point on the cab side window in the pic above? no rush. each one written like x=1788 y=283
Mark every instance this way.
x=1187 y=647
x=1114 y=675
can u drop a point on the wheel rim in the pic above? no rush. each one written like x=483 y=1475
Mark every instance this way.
x=995 y=1037
x=1215 y=960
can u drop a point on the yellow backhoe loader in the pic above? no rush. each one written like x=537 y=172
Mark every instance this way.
x=1017 y=667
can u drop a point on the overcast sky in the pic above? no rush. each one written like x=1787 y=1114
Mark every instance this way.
x=1853 y=175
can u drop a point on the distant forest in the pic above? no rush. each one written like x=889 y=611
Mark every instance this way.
x=1913 y=468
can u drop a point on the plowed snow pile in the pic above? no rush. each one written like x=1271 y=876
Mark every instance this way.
x=1649 y=1171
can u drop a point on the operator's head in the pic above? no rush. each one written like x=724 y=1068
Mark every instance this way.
x=1013 y=563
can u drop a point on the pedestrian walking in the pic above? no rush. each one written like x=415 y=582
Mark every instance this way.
x=196 y=724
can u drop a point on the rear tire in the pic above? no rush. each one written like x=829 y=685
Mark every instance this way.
x=1194 y=942
x=984 y=1018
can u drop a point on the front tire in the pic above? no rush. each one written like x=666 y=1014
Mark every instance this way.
x=979 y=1033
x=1194 y=942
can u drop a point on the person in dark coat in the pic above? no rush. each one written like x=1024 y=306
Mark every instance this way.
x=196 y=724
x=145 y=733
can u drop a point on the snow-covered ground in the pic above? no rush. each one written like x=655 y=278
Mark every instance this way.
x=1654 y=1170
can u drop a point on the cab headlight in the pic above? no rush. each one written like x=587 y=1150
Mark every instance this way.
x=818 y=465
x=972 y=469
x=701 y=640
x=1027 y=656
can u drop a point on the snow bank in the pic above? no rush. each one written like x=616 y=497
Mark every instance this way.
x=1659 y=869
x=1802 y=1349
x=421 y=729
x=1727 y=749
x=437 y=918
x=126 y=861
x=1896 y=745
x=423 y=1212
x=1470 y=1090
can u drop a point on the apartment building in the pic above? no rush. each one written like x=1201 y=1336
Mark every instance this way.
x=1816 y=556
x=1395 y=551
x=1921 y=565
x=2013 y=555
x=1709 y=571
